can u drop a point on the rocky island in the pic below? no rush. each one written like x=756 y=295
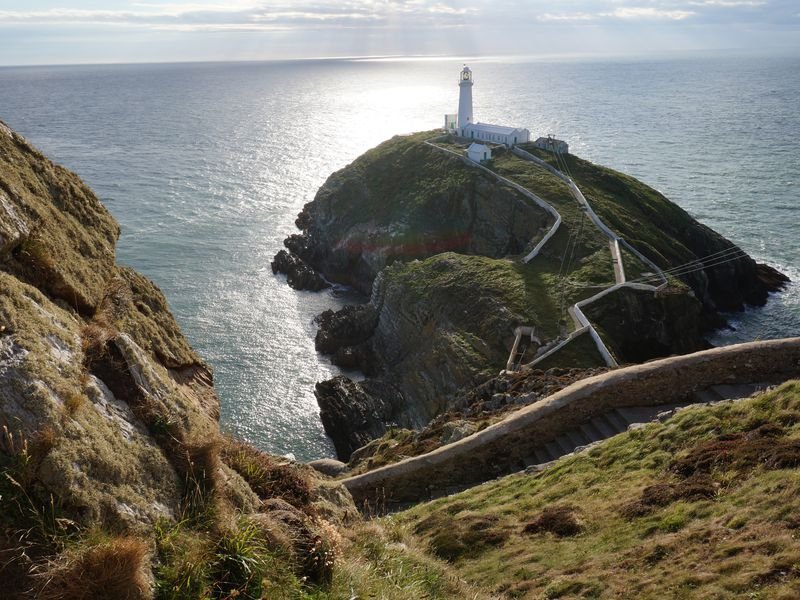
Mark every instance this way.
x=439 y=244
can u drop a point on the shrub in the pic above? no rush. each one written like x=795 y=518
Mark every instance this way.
x=117 y=568
x=267 y=477
x=559 y=520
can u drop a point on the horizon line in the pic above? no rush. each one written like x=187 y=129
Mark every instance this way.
x=779 y=51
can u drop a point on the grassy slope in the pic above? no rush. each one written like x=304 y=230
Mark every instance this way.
x=470 y=286
x=532 y=291
x=579 y=353
x=735 y=537
x=655 y=226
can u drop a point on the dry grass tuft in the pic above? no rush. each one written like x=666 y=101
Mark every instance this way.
x=266 y=476
x=558 y=520
x=96 y=334
x=320 y=550
x=74 y=402
x=15 y=566
x=742 y=451
x=697 y=487
x=118 y=568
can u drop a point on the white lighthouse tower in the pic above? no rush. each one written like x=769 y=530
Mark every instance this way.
x=463 y=124
x=465 y=98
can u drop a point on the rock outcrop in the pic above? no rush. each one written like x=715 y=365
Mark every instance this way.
x=299 y=275
x=404 y=200
x=92 y=360
x=108 y=418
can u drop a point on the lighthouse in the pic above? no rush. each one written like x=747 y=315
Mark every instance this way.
x=465 y=98
x=463 y=124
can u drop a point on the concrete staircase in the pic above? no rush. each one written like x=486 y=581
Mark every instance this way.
x=618 y=420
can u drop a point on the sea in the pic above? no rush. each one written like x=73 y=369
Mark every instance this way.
x=206 y=165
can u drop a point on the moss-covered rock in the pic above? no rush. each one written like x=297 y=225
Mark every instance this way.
x=109 y=434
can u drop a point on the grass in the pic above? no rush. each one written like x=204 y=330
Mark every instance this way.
x=241 y=561
x=266 y=476
x=701 y=506
x=383 y=560
x=448 y=278
x=68 y=259
x=655 y=226
x=581 y=352
x=114 y=568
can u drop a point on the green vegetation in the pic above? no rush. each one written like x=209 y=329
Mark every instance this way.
x=703 y=505
x=66 y=237
x=383 y=560
x=485 y=284
x=116 y=482
x=651 y=223
x=403 y=176
x=581 y=352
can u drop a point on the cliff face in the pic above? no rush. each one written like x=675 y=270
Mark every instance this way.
x=441 y=321
x=92 y=358
x=404 y=200
x=109 y=433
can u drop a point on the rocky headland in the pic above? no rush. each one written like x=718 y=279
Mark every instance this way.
x=438 y=244
x=115 y=480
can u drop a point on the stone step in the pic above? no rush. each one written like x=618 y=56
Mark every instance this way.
x=577 y=438
x=554 y=450
x=732 y=392
x=564 y=443
x=602 y=425
x=530 y=461
x=591 y=432
x=541 y=455
x=617 y=420
x=706 y=396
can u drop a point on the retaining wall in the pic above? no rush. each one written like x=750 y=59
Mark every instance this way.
x=502 y=447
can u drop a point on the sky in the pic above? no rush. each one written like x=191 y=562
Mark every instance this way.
x=109 y=31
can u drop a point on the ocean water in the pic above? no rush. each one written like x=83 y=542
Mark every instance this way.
x=205 y=166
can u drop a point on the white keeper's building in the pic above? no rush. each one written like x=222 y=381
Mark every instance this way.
x=462 y=123
x=479 y=152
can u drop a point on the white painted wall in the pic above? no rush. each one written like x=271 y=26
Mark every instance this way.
x=465 y=98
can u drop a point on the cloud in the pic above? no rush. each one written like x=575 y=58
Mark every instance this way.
x=649 y=13
x=250 y=15
x=625 y=13
x=729 y=3
x=565 y=17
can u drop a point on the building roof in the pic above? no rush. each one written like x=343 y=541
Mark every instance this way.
x=499 y=129
x=476 y=147
x=549 y=140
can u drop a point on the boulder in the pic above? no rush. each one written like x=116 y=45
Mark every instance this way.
x=299 y=275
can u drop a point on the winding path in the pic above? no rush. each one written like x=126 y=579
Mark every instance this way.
x=522 y=190
x=581 y=323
